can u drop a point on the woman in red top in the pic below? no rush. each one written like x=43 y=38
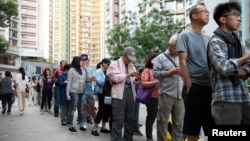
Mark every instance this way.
x=148 y=80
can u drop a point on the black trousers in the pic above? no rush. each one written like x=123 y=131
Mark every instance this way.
x=104 y=110
x=7 y=99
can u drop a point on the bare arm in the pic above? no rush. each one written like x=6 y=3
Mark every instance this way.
x=184 y=69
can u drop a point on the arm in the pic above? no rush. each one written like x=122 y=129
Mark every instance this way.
x=160 y=71
x=114 y=73
x=69 y=80
x=184 y=69
x=99 y=78
x=219 y=59
x=117 y=76
x=61 y=81
x=145 y=79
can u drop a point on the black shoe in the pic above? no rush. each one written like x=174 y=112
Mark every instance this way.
x=4 y=111
x=72 y=130
x=63 y=123
x=104 y=131
x=56 y=115
x=83 y=129
x=95 y=133
x=138 y=133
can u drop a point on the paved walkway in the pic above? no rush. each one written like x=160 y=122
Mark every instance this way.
x=35 y=127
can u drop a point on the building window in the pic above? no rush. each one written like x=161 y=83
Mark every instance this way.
x=171 y=5
x=23 y=26
x=24 y=18
x=24 y=36
x=14 y=34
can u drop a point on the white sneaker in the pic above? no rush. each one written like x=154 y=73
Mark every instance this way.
x=85 y=125
x=21 y=113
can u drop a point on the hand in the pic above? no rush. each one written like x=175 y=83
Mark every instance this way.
x=65 y=81
x=68 y=97
x=175 y=71
x=92 y=77
x=134 y=74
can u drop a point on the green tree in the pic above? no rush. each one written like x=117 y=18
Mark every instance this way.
x=3 y=44
x=7 y=10
x=149 y=33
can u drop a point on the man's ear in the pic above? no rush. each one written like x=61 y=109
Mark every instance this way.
x=223 y=20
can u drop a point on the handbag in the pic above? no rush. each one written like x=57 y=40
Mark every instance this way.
x=143 y=95
x=107 y=100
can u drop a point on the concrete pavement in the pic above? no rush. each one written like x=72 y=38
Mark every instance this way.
x=35 y=127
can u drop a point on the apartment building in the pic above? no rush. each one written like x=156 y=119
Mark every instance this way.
x=27 y=34
x=57 y=31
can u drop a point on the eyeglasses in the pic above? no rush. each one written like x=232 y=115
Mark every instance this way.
x=203 y=11
x=236 y=14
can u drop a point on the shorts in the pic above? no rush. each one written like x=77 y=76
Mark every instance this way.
x=88 y=99
x=198 y=110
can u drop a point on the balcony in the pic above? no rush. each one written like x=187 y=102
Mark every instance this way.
x=116 y=14
x=116 y=1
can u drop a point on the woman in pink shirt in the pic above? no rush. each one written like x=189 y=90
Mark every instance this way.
x=148 y=80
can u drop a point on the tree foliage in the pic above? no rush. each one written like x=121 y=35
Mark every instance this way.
x=8 y=9
x=147 y=33
x=3 y=44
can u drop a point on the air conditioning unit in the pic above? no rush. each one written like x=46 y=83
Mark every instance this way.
x=116 y=14
x=116 y=1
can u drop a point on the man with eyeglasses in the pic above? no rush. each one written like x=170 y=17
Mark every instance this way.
x=191 y=47
x=229 y=68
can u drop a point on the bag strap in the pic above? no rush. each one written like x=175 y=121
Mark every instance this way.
x=148 y=75
x=170 y=59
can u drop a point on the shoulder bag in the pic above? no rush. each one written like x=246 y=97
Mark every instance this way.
x=143 y=95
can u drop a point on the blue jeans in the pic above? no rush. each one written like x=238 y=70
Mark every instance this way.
x=75 y=104
x=56 y=98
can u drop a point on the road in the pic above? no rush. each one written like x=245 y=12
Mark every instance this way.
x=35 y=127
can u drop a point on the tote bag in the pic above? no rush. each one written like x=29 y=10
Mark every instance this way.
x=143 y=95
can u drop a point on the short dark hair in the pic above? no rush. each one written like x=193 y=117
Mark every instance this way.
x=62 y=61
x=223 y=9
x=7 y=74
x=67 y=67
x=194 y=10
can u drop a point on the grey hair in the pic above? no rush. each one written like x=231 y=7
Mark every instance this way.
x=173 y=39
